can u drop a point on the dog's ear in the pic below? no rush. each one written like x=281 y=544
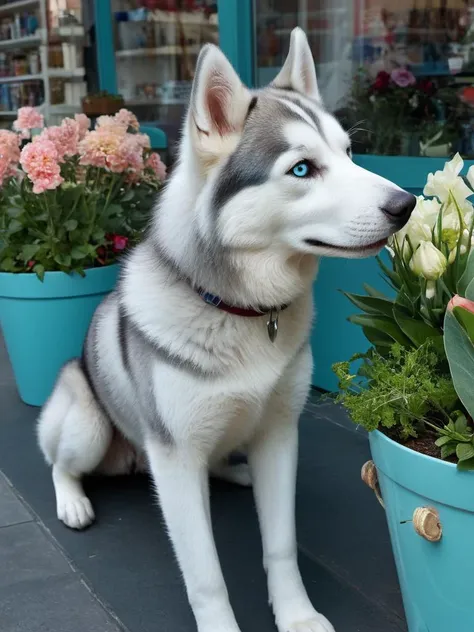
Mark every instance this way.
x=298 y=72
x=219 y=100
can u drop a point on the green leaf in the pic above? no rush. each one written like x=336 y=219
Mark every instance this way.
x=442 y=441
x=39 y=269
x=15 y=211
x=460 y=354
x=467 y=276
x=28 y=251
x=469 y=293
x=71 y=224
x=384 y=324
x=461 y=424
x=371 y=305
x=63 y=260
x=371 y=291
x=466 y=320
x=393 y=276
x=7 y=264
x=417 y=330
x=465 y=451
x=467 y=465
x=129 y=195
x=377 y=338
x=79 y=252
x=448 y=450
x=14 y=226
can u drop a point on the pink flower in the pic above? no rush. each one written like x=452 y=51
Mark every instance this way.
x=65 y=138
x=40 y=161
x=459 y=301
x=84 y=123
x=110 y=124
x=9 y=154
x=157 y=166
x=127 y=118
x=119 y=242
x=403 y=77
x=28 y=118
x=112 y=149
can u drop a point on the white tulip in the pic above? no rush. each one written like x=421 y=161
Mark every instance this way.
x=428 y=262
x=430 y=289
x=443 y=184
x=426 y=210
x=451 y=226
x=453 y=253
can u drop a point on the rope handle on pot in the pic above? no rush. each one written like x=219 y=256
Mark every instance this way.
x=371 y=479
x=426 y=520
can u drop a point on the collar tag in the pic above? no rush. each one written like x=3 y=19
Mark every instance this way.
x=210 y=299
x=272 y=325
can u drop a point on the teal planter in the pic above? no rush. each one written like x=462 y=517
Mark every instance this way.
x=435 y=577
x=44 y=324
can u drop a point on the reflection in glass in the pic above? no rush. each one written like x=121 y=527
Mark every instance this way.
x=400 y=73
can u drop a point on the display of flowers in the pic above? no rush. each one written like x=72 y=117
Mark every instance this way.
x=393 y=112
x=416 y=380
x=72 y=197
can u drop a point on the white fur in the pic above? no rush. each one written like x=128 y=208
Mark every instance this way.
x=254 y=391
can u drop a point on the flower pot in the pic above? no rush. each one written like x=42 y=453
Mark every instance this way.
x=430 y=513
x=44 y=323
x=95 y=106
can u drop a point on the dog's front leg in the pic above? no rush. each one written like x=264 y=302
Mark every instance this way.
x=273 y=459
x=181 y=478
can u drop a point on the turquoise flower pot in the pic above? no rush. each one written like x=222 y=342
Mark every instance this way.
x=435 y=576
x=44 y=323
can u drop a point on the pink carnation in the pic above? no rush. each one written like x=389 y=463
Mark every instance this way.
x=28 y=118
x=9 y=154
x=157 y=166
x=127 y=118
x=84 y=123
x=65 y=138
x=40 y=161
x=402 y=77
x=111 y=149
x=110 y=124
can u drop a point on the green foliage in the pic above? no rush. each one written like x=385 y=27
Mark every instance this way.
x=399 y=390
x=75 y=226
x=460 y=352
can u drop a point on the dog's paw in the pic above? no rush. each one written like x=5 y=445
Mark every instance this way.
x=76 y=513
x=317 y=623
x=238 y=474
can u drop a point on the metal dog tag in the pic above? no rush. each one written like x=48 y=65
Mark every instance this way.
x=272 y=325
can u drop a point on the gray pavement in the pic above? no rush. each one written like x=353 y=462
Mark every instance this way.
x=121 y=574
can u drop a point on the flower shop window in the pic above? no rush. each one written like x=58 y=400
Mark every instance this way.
x=398 y=73
x=157 y=43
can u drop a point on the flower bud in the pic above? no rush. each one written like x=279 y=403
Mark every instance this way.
x=428 y=262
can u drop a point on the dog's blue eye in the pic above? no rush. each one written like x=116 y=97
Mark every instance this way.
x=301 y=170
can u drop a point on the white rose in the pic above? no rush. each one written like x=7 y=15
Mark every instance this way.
x=428 y=262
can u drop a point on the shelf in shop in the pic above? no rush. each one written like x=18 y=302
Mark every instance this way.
x=19 y=5
x=29 y=41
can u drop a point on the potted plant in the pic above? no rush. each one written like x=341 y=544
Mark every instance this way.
x=102 y=104
x=71 y=201
x=413 y=390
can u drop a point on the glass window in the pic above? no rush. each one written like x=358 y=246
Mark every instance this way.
x=157 y=43
x=400 y=73
x=45 y=56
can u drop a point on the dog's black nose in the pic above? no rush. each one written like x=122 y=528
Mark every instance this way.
x=400 y=206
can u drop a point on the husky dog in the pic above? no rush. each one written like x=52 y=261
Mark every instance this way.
x=202 y=350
